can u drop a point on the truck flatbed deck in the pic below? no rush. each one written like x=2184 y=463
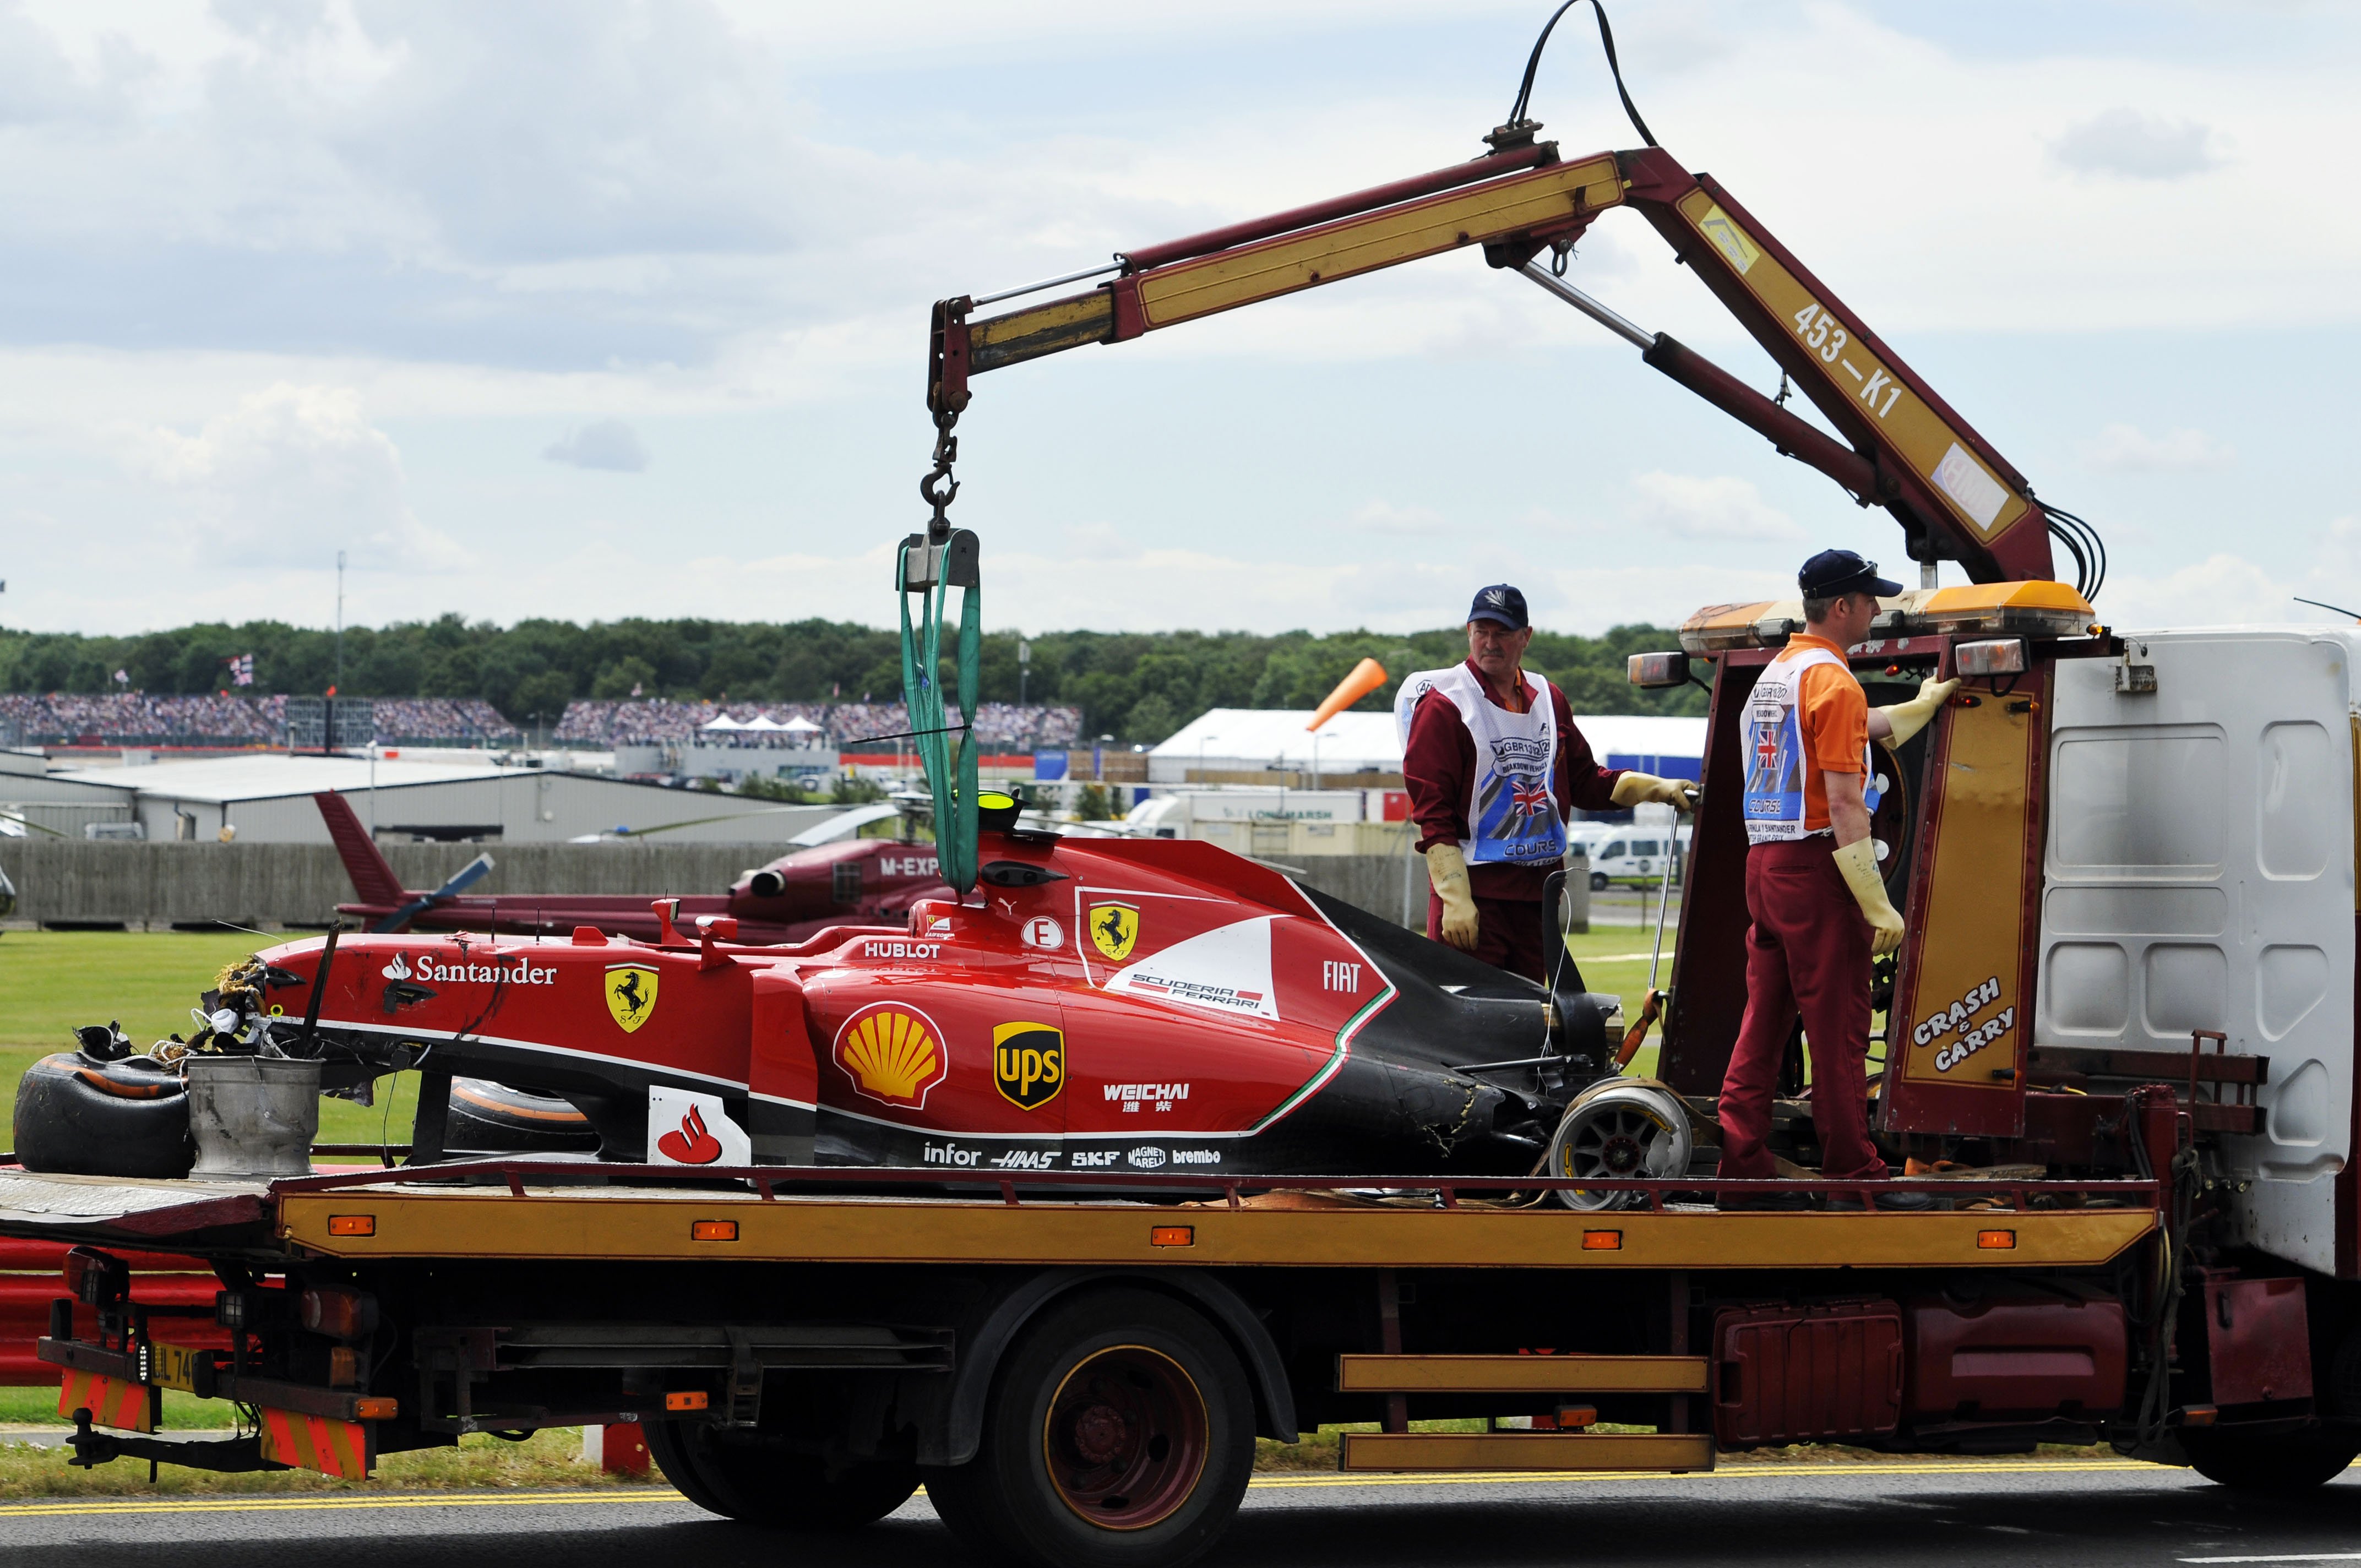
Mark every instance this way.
x=513 y=1210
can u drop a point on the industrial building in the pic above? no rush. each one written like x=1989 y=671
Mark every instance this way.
x=265 y=797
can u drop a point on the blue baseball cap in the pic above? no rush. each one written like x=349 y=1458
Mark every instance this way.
x=1834 y=571
x=1500 y=603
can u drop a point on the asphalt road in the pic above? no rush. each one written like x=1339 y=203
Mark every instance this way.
x=1889 y=1516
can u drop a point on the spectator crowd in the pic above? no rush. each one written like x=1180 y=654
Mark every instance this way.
x=441 y=720
x=135 y=719
x=999 y=726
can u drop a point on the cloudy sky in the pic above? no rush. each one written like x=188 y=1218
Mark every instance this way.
x=594 y=310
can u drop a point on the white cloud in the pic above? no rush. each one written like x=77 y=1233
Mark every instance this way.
x=1693 y=507
x=1097 y=577
x=1381 y=517
x=290 y=467
x=1591 y=598
x=2222 y=589
x=607 y=444
x=40 y=82
x=2126 y=449
x=646 y=185
x=1106 y=582
x=2136 y=146
x=2336 y=556
x=478 y=226
x=2229 y=589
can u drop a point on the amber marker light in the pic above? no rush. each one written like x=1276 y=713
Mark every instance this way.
x=686 y=1400
x=713 y=1230
x=352 y=1225
x=1172 y=1235
x=375 y=1410
x=1997 y=1240
x=1602 y=1240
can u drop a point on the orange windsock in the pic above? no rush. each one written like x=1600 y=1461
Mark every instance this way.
x=1367 y=676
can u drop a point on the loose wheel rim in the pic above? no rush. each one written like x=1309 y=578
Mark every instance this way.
x=1614 y=1144
x=1613 y=1141
x=1126 y=1437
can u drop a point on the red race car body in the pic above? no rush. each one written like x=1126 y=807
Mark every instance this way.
x=1096 y=1003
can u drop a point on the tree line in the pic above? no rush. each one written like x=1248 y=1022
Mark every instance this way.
x=1138 y=686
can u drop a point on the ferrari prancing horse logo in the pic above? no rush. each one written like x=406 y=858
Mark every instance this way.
x=1114 y=929
x=631 y=994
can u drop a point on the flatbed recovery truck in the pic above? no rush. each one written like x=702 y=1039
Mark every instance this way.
x=1077 y=1370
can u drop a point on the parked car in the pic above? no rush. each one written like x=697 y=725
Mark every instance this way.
x=1635 y=853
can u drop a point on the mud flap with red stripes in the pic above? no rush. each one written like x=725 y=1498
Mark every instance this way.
x=317 y=1442
x=111 y=1401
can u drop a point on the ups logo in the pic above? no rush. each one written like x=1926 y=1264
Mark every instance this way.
x=1028 y=1063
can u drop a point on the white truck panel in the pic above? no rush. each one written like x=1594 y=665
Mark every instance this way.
x=2200 y=874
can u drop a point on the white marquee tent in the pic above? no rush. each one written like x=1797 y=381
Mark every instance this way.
x=1248 y=739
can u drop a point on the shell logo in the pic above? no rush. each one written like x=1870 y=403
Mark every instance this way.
x=892 y=1053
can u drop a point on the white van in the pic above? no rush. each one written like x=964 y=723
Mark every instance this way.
x=1632 y=851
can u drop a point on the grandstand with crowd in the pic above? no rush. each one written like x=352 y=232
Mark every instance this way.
x=221 y=720
x=999 y=726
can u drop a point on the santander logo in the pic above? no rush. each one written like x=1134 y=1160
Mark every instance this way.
x=690 y=1144
x=399 y=968
x=693 y=1126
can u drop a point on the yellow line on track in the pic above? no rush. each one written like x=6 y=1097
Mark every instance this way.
x=299 y=1505
x=91 y=1507
x=1730 y=1473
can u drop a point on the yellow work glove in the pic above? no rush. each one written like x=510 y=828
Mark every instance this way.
x=1909 y=717
x=1858 y=861
x=1633 y=788
x=1446 y=868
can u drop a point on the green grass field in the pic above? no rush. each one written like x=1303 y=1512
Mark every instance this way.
x=52 y=981
x=1615 y=959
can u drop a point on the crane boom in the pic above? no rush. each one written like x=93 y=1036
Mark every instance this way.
x=1955 y=497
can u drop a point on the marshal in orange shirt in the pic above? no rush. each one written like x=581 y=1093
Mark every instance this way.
x=1834 y=720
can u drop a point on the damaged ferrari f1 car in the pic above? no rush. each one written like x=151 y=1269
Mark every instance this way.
x=1104 y=1004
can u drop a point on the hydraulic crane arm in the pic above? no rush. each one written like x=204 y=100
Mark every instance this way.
x=1955 y=497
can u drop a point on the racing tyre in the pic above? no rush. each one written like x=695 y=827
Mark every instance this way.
x=1119 y=1434
x=79 y=1116
x=759 y=1486
x=2273 y=1464
x=496 y=1118
x=1599 y=881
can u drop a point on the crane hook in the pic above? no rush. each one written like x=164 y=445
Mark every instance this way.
x=938 y=489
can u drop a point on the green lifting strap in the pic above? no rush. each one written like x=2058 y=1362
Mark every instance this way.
x=927 y=573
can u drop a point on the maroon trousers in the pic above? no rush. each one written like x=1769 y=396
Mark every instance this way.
x=1510 y=933
x=1807 y=953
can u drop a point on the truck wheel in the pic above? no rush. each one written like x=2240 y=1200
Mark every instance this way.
x=2276 y=1464
x=1599 y=881
x=759 y=1486
x=1119 y=1434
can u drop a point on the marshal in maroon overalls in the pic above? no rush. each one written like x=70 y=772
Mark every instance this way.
x=1813 y=886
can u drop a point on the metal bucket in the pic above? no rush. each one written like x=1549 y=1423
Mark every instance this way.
x=253 y=1115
